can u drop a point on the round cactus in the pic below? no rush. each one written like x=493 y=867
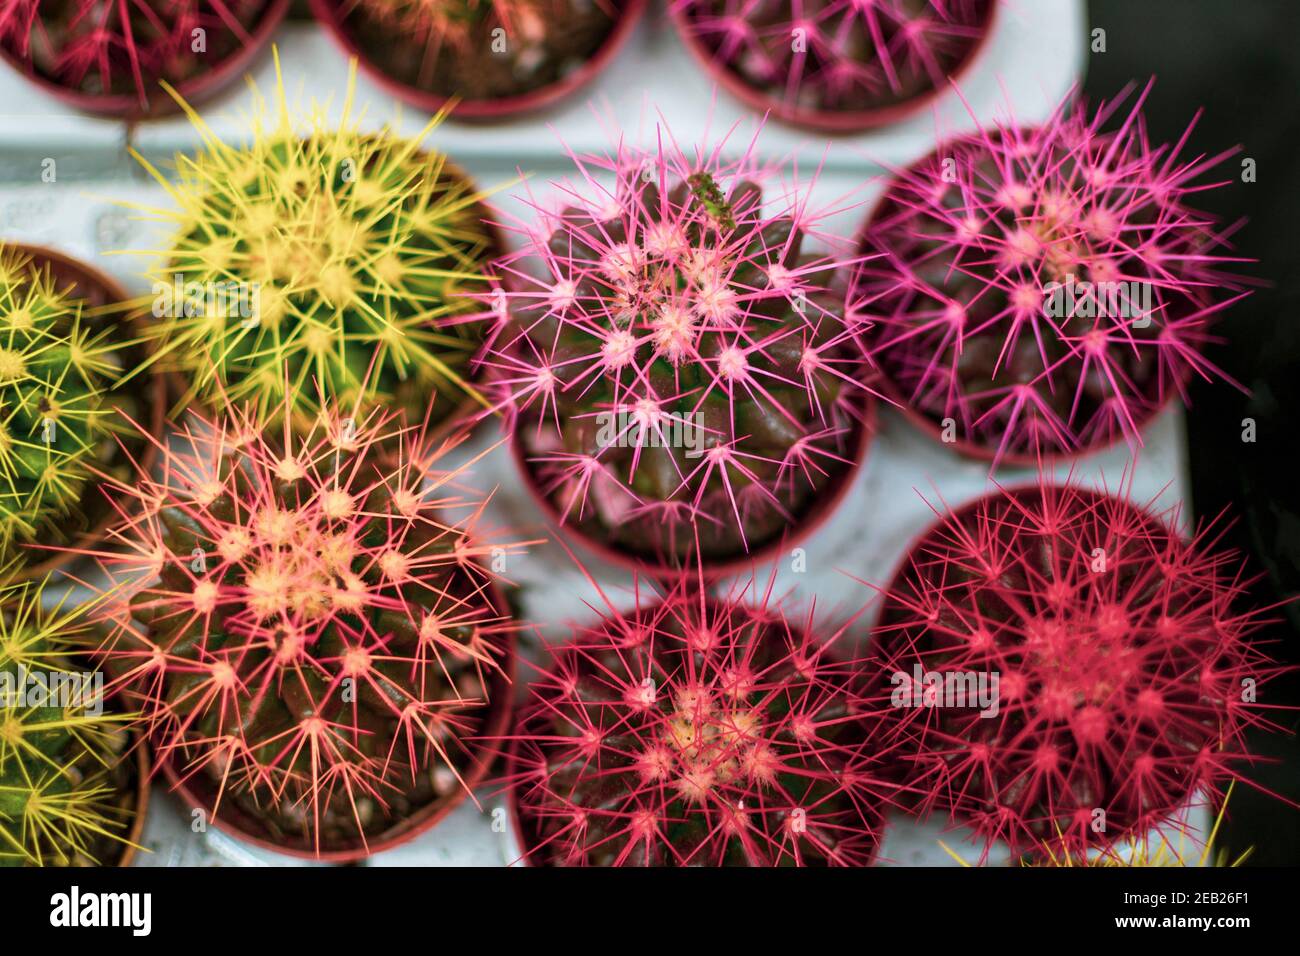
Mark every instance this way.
x=308 y=627
x=346 y=257
x=697 y=732
x=477 y=51
x=58 y=364
x=1045 y=290
x=126 y=49
x=1122 y=676
x=682 y=371
x=67 y=793
x=835 y=62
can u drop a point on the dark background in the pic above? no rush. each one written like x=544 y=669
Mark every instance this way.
x=1241 y=62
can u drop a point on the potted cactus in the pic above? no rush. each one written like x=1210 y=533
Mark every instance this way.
x=64 y=357
x=490 y=58
x=680 y=367
x=1045 y=291
x=310 y=627
x=110 y=58
x=694 y=731
x=835 y=65
x=1122 y=674
x=347 y=257
x=73 y=792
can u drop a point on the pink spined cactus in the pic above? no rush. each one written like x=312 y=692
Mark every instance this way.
x=126 y=47
x=1127 y=674
x=308 y=625
x=694 y=731
x=1044 y=290
x=681 y=369
x=825 y=57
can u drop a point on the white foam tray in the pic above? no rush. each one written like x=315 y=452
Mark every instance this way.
x=1034 y=57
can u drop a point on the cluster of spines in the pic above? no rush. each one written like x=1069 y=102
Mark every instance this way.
x=680 y=367
x=1045 y=289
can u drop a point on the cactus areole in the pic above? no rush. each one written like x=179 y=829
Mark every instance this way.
x=682 y=374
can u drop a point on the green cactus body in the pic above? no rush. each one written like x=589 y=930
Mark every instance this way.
x=56 y=368
x=66 y=787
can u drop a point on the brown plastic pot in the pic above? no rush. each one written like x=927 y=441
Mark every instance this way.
x=97 y=289
x=331 y=14
x=199 y=792
x=195 y=90
x=825 y=121
x=976 y=451
x=711 y=569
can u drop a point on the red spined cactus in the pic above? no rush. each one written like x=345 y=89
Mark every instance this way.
x=837 y=63
x=1122 y=674
x=309 y=626
x=682 y=371
x=127 y=47
x=1045 y=290
x=695 y=731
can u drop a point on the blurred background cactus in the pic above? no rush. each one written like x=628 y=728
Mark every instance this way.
x=67 y=777
x=58 y=363
x=105 y=51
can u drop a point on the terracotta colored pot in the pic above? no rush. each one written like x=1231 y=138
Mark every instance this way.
x=195 y=90
x=826 y=121
x=97 y=289
x=331 y=14
x=963 y=446
x=197 y=791
x=821 y=508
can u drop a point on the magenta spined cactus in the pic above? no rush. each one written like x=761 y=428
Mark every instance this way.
x=1045 y=290
x=835 y=64
x=112 y=57
x=309 y=627
x=680 y=364
x=694 y=731
x=1067 y=670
